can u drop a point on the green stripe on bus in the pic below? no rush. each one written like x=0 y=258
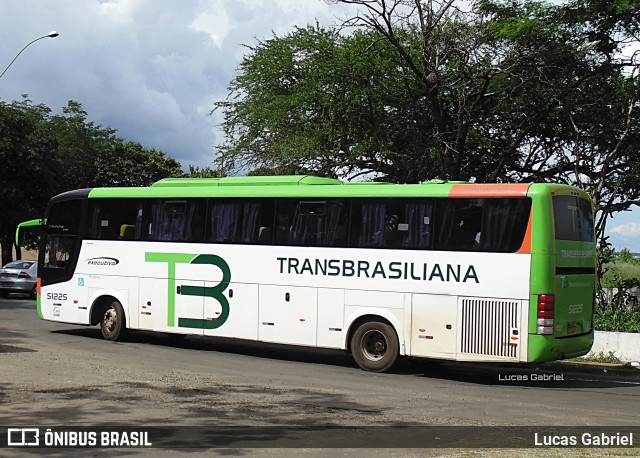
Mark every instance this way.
x=197 y=323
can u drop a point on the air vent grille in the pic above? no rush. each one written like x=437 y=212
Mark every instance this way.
x=487 y=327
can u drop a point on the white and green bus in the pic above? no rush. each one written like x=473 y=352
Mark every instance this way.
x=439 y=270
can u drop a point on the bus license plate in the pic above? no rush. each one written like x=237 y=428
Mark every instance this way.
x=571 y=328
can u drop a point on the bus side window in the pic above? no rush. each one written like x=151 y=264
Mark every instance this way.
x=492 y=225
x=115 y=219
x=225 y=222
x=391 y=223
x=368 y=222
x=504 y=224
x=176 y=220
x=458 y=223
x=467 y=230
x=417 y=226
x=312 y=223
x=240 y=221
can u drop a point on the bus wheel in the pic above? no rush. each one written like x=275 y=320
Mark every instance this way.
x=112 y=322
x=374 y=346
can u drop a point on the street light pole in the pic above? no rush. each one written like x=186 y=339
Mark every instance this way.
x=51 y=34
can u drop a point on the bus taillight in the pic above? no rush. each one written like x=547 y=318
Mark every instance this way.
x=38 y=283
x=546 y=308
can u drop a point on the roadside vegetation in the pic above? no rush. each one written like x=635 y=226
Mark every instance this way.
x=600 y=358
x=618 y=309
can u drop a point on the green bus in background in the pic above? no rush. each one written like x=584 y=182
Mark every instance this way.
x=438 y=270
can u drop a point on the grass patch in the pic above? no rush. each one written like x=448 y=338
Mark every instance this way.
x=617 y=318
x=600 y=358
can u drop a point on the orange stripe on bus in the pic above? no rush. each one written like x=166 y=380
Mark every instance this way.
x=526 y=243
x=489 y=190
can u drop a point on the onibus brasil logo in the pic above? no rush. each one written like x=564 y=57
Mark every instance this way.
x=214 y=292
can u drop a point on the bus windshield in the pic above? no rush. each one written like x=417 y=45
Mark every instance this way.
x=573 y=219
x=60 y=235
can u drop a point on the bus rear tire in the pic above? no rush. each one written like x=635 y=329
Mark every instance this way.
x=374 y=346
x=112 y=323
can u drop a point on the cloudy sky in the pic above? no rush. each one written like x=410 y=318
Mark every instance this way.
x=149 y=68
x=153 y=68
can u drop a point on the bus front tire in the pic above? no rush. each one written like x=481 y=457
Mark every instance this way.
x=374 y=346
x=112 y=323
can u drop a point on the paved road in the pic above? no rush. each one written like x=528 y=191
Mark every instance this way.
x=63 y=375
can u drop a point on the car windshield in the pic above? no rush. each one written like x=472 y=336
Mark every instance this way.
x=19 y=265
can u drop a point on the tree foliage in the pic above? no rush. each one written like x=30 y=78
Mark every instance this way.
x=204 y=172
x=43 y=154
x=408 y=90
x=24 y=157
x=622 y=275
x=316 y=101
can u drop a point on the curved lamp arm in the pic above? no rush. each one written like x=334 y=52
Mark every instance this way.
x=51 y=34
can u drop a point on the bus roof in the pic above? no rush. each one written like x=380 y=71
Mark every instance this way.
x=319 y=187
x=281 y=180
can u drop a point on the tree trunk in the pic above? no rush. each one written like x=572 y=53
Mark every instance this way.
x=6 y=246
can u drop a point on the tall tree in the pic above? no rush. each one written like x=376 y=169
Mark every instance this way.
x=317 y=101
x=42 y=155
x=603 y=151
x=421 y=92
x=24 y=167
x=95 y=156
x=509 y=91
x=130 y=164
x=588 y=136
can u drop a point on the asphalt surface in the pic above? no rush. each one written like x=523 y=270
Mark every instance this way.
x=261 y=399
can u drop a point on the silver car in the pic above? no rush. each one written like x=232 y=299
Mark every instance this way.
x=19 y=277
